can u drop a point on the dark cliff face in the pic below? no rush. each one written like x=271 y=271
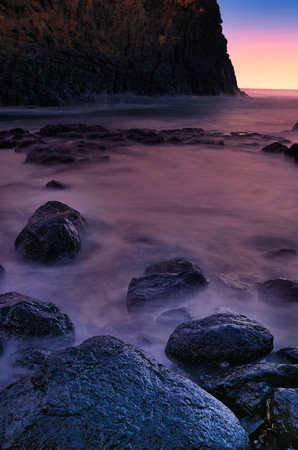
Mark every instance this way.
x=53 y=52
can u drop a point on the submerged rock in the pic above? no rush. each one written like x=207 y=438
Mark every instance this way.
x=26 y=322
x=51 y=234
x=232 y=285
x=222 y=337
x=165 y=282
x=53 y=184
x=281 y=252
x=174 y=317
x=107 y=394
x=275 y=147
x=50 y=155
x=279 y=289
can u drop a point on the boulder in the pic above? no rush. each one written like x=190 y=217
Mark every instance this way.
x=26 y=322
x=222 y=337
x=280 y=290
x=174 y=317
x=289 y=354
x=246 y=388
x=53 y=184
x=165 y=283
x=292 y=152
x=275 y=147
x=295 y=127
x=107 y=394
x=285 y=417
x=51 y=234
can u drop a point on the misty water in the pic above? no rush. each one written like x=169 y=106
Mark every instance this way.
x=223 y=207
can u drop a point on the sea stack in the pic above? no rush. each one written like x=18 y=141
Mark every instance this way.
x=59 y=51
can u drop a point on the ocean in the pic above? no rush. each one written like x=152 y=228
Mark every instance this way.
x=221 y=206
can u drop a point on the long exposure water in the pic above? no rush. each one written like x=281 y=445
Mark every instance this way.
x=223 y=207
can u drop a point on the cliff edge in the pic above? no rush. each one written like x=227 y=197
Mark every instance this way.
x=53 y=52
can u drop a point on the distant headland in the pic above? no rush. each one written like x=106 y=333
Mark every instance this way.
x=55 y=52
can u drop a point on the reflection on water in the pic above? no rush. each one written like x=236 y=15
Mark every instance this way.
x=222 y=207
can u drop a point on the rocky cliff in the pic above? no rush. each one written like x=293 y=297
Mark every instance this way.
x=53 y=52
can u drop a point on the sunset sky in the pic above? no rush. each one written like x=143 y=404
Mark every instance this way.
x=262 y=41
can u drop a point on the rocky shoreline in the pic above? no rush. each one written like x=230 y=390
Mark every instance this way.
x=236 y=392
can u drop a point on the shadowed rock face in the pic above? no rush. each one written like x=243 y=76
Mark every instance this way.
x=106 y=394
x=56 y=51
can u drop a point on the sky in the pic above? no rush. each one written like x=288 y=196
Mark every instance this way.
x=262 y=42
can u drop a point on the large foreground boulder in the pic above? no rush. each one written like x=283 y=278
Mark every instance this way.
x=51 y=234
x=222 y=337
x=167 y=282
x=26 y=322
x=106 y=394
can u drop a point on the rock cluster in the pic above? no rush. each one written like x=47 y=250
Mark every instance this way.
x=55 y=52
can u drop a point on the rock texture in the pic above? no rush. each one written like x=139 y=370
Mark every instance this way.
x=164 y=283
x=51 y=234
x=26 y=322
x=285 y=413
x=281 y=290
x=222 y=337
x=54 y=51
x=106 y=394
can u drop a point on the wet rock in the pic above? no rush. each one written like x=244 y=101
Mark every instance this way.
x=174 y=317
x=289 y=354
x=53 y=184
x=285 y=416
x=222 y=337
x=165 y=282
x=295 y=127
x=25 y=322
x=149 y=137
x=281 y=290
x=292 y=152
x=2 y=273
x=50 y=155
x=27 y=361
x=246 y=388
x=233 y=285
x=281 y=252
x=275 y=147
x=28 y=142
x=62 y=129
x=51 y=234
x=176 y=265
x=105 y=393
x=6 y=144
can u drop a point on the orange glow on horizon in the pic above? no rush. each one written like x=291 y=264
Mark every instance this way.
x=264 y=60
